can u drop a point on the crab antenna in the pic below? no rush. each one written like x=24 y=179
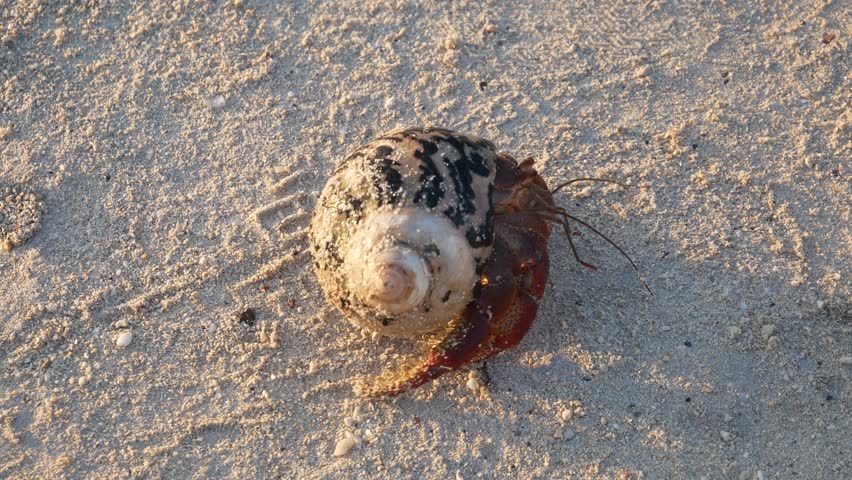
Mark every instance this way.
x=589 y=179
x=566 y=216
x=625 y=187
x=573 y=248
x=550 y=215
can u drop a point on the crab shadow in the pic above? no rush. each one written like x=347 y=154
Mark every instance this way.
x=684 y=374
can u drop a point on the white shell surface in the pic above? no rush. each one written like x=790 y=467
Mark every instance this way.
x=428 y=246
x=402 y=228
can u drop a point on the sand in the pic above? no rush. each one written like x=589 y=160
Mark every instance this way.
x=158 y=313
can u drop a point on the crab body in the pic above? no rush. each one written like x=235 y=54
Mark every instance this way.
x=429 y=232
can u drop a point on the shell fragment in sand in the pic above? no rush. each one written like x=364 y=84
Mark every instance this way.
x=124 y=338
x=347 y=443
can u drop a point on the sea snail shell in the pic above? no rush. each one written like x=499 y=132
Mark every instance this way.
x=403 y=227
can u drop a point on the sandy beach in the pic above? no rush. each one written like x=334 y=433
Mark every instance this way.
x=160 y=161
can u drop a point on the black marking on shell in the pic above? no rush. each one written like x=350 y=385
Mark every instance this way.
x=383 y=151
x=385 y=321
x=334 y=258
x=431 y=188
x=432 y=249
x=387 y=181
x=355 y=207
x=455 y=215
x=482 y=235
x=478 y=236
x=477 y=290
x=480 y=265
x=461 y=173
x=465 y=195
x=472 y=161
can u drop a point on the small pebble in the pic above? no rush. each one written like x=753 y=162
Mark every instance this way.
x=726 y=436
x=473 y=382
x=734 y=332
x=568 y=434
x=820 y=304
x=215 y=102
x=566 y=415
x=8 y=245
x=773 y=343
x=349 y=441
x=767 y=330
x=124 y=338
x=642 y=72
x=846 y=360
x=586 y=192
x=313 y=367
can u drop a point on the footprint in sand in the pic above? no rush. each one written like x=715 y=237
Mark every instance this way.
x=283 y=221
x=20 y=214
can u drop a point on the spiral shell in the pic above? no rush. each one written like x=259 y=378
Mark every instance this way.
x=403 y=228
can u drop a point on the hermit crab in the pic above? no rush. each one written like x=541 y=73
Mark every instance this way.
x=433 y=233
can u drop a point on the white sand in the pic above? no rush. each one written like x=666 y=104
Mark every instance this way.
x=154 y=134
